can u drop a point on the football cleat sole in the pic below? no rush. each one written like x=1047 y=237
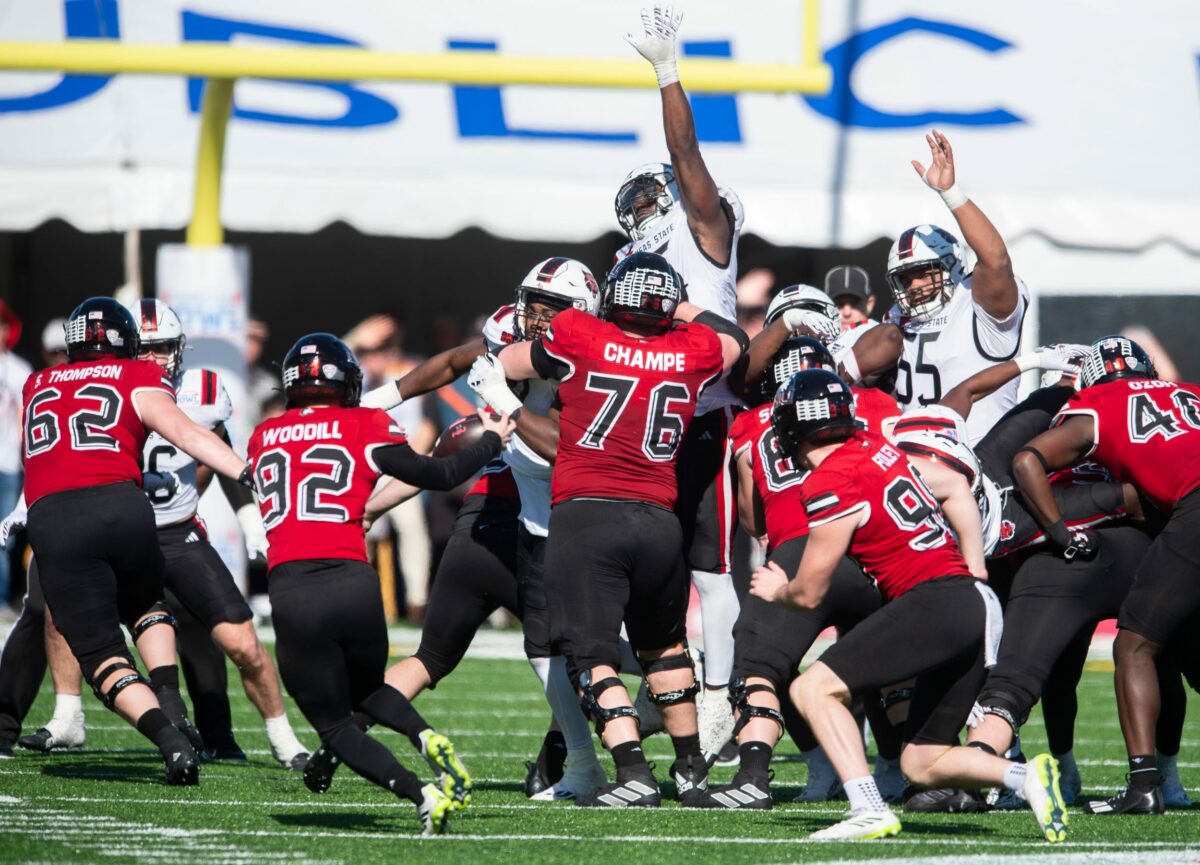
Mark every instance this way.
x=453 y=776
x=318 y=771
x=1044 y=795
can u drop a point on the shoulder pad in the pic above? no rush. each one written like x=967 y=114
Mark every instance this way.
x=498 y=329
x=735 y=207
x=203 y=398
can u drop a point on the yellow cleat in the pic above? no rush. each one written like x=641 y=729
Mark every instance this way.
x=452 y=775
x=1044 y=796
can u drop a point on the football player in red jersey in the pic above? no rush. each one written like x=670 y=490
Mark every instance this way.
x=770 y=641
x=939 y=624
x=92 y=529
x=628 y=384
x=1147 y=432
x=316 y=466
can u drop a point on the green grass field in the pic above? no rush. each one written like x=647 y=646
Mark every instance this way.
x=105 y=803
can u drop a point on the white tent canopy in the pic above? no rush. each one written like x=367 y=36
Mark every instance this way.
x=1074 y=123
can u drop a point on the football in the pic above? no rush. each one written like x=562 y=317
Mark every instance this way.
x=463 y=433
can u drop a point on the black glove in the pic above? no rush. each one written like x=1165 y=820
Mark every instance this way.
x=1082 y=544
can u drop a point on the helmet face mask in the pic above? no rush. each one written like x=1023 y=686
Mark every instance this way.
x=320 y=369
x=1112 y=358
x=160 y=333
x=920 y=251
x=642 y=292
x=797 y=353
x=554 y=285
x=101 y=328
x=647 y=193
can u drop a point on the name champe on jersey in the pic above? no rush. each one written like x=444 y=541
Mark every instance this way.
x=636 y=358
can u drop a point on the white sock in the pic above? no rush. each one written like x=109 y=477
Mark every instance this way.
x=864 y=795
x=1014 y=777
x=68 y=714
x=719 y=610
x=564 y=703
x=284 y=744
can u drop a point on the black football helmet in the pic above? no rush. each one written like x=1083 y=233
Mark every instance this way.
x=320 y=368
x=642 y=291
x=1115 y=357
x=796 y=353
x=100 y=327
x=813 y=406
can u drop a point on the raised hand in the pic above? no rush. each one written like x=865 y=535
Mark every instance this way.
x=657 y=41
x=940 y=173
x=1063 y=357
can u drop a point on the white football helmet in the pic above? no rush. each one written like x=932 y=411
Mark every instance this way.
x=921 y=248
x=945 y=450
x=933 y=418
x=557 y=282
x=158 y=325
x=828 y=321
x=654 y=183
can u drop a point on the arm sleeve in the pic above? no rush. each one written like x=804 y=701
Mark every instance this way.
x=436 y=473
x=236 y=494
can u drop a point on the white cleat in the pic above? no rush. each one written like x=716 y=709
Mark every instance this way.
x=822 y=784
x=863 y=826
x=715 y=717
x=434 y=810
x=889 y=779
x=573 y=784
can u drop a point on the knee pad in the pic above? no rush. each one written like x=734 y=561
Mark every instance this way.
x=159 y=614
x=900 y=695
x=739 y=693
x=591 y=701
x=681 y=661
x=130 y=676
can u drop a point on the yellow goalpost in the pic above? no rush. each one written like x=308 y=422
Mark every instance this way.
x=222 y=65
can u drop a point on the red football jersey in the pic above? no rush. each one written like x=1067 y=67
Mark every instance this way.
x=80 y=425
x=775 y=476
x=902 y=538
x=626 y=403
x=496 y=482
x=314 y=473
x=1147 y=434
x=872 y=407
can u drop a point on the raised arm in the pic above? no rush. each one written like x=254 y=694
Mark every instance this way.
x=734 y=341
x=427 y=376
x=993 y=284
x=160 y=414
x=877 y=352
x=707 y=217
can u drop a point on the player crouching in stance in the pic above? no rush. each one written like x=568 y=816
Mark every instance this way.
x=938 y=624
x=628 y=384
x=92 y=529
x=315 y=467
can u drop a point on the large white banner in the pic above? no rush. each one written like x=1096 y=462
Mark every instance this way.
x=1074 y=120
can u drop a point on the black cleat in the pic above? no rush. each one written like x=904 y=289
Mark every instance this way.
x=746 y=792
x=630 y=793
x=945 y=801
x=6 y=748
x=318 y=771
x=229 y=752
x=535 y=779
x=1128 y=801
x=691 y=781
x=297 y=763
x=182 y=768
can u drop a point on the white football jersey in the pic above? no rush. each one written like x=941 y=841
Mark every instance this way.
x=708 y=285
x=990 y=509
x=954 y=345
x=201 y=396
x=530 y=471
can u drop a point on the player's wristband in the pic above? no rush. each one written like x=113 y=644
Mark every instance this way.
x=246 y=478
x=953 y=197
x=1028 y=361
x=667 y=72
x=386 y=396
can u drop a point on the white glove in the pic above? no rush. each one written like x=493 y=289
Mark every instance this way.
x=386 y=396
x=820 y=326
x=1062 y=357
x=657 y=42
x=253 y=531
x=487 y=379
x=13 y=522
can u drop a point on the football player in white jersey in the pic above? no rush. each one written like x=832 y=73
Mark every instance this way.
x=679 y=212
x=953 y=323
x=551 y=286
x=195 y=575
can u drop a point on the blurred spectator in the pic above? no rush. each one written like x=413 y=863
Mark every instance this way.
x=263 y=381
x=13 y=372
x=753 y=297
x=54 y=342
x=850 y=288
x=1144 y=337
x=378 y=343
